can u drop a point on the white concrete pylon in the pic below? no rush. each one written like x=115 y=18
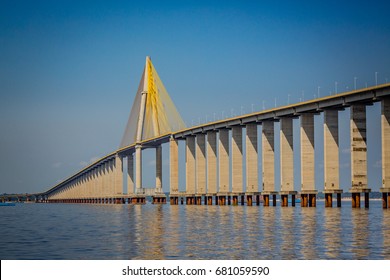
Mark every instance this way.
x=385 y=122
x=251 y=154
x=190 y=165
x=358 y=147
x=331 y=150
x=307 y=152
x=200 y=164
x=223 y=160
x=173 y=165
x=237 y=186
x=212 y=162
x=286 y=154
x=268 y=156
x=130 y=173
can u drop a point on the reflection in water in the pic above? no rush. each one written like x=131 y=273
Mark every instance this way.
x=308 y=233
x=288 y=234
x=151 y=244
x=71 y=231
x=386 y=234
x=360 y=233
x=332 y=237
x=269 y=231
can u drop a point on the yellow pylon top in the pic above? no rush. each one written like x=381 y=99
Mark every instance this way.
x=153 y=112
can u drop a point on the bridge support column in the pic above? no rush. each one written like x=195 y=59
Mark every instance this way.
x=293 y=200
x=384 y=200
x=268 y=160
x=304 y=200
x=286 y=160
x=251 y=159
x=266 y=200
x=221 y=199
x=235 y=200
x=159 y=168
x=212 y=162
x=385 y=127
x=308 y=191
x=118 y=175
x=130 y=173
x=223 y=159
x=284 y=200
x=328 y=200
x=339 y=200
x=173 y=166
x=359 y=155
x=159 y=199
x=190 y=165
x=174 y=200
x=138 y=167
x=268 y=157
x=237 y=186
x=331 y=158
x=355 y=200
x=249 y=200
x=201 y=164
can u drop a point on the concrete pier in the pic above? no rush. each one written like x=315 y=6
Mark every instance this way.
x=159 y=167
x=268 y=161
x=130 y=173
x=251 y=154
x=201 y=164
x=118 y=175
x=286 y=161
x=190 y=165
x=174 y=170
x=211 y=163
x=237 y=180
x=331 y=158
x=385 y=133
x=359 y=155
x=308 y=191
x=223 y=161
x=138 y=167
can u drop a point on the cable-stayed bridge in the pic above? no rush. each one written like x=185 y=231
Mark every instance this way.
x=215 y=153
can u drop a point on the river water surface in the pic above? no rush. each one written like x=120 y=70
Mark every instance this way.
x=87 y=231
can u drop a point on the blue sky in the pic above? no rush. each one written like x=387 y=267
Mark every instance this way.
x=69 y=70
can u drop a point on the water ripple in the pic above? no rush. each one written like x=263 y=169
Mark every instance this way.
x=73 y=231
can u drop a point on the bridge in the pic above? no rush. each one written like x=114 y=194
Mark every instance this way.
x=154 y=121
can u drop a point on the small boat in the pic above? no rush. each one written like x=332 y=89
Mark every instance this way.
x=7 y=204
